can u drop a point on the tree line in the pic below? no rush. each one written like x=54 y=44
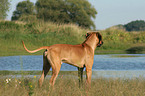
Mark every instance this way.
x=79 y=12
x=138 y=25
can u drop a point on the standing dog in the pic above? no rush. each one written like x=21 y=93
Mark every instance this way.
x=81 y=56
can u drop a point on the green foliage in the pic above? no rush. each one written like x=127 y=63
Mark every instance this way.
x=4 y=25
x=79 y=12
x=4 y=7
x=138 y=25
x=28 y=18
x=119 y=27
x=23 y=8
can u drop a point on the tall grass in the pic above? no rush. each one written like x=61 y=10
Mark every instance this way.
x=68 y=86
x=36 y=34
x=116 y=39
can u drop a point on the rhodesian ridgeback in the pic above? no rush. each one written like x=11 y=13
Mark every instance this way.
x=81 y=55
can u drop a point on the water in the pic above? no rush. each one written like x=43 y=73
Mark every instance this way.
x=119 y=65
x=119 y=62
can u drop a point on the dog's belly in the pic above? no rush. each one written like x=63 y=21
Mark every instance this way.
x=74 y=62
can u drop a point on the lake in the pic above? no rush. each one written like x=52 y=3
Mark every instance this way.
x=112 y=65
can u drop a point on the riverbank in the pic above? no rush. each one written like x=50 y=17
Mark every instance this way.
x=8 y=72
x=37 y=34
x=107 y=74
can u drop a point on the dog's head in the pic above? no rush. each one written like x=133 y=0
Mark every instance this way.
x=98 y=35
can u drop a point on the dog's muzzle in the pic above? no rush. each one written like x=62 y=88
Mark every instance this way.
x=99 y=45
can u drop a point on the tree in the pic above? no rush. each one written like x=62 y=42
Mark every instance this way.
x=79 y=12
x=23 y=8
x=4 y=7
x=138 y=25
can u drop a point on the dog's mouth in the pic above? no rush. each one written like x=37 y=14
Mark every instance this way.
x=99 y=44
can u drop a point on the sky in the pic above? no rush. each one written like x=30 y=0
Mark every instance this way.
x=110 y=12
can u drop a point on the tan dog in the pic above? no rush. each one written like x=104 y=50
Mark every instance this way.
x=81 y=56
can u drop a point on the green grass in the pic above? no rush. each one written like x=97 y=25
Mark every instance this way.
x=37 y=34
x=68 y=86
x=122 y=40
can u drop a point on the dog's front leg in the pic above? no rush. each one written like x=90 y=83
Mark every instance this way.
x=88 y=76
x=80 y=76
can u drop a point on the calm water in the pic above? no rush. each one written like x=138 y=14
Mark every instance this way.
x=106 y=65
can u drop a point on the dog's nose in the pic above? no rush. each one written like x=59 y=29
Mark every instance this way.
x=99 y=45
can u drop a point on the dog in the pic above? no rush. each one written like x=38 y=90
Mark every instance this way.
x=81 y=55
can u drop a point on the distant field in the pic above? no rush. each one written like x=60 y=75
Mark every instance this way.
x=38 y=34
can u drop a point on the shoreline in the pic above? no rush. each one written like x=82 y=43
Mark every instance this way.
x=122 y=74
x=97 y=52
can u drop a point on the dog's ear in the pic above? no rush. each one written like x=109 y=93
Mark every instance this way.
x=100 y=39
x=99 y=36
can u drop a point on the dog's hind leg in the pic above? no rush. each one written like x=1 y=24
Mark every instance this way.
x=80 y=76
x=46 y=68
x=55 y=71
x=56 y=65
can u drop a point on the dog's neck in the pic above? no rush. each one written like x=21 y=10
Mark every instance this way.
x=91 y=41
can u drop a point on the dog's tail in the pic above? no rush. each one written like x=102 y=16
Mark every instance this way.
x=43 y=47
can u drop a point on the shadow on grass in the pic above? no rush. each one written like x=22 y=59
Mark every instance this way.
x=136 y=50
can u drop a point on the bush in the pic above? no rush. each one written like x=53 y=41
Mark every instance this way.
x=138 y=25
x=28 y=18
x=9 y=25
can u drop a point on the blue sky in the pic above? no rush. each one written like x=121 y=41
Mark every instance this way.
x=110 y=12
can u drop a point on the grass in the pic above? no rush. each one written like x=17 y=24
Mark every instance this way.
x=36 y=34
x=122 y=40
x=68 y=86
